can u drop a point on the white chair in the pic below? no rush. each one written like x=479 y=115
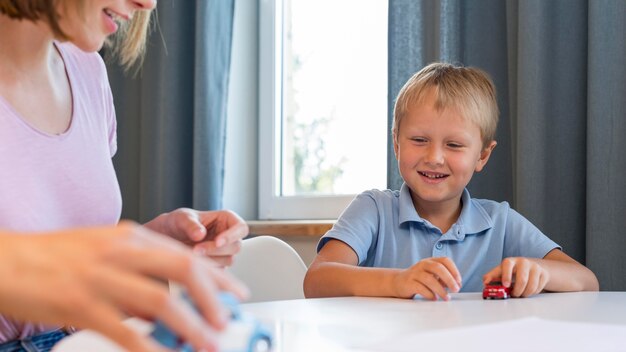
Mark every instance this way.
x=270 y=268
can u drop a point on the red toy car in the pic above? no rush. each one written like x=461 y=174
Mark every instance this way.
x=495 y=290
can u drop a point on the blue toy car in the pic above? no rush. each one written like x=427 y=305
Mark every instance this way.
x=242 y=334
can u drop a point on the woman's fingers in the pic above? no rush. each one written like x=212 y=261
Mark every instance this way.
x=161 y=257
x=151 y=299
x=211 y=249
x=105 y=319
x=237 y=229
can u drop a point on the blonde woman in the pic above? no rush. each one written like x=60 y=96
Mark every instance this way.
x=64 y=259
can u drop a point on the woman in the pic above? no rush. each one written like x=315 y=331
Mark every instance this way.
x=63 y=258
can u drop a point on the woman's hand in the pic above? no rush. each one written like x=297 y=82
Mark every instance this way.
x=216 y=234
x=92 y=277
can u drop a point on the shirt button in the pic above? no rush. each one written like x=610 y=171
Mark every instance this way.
x=439 y=245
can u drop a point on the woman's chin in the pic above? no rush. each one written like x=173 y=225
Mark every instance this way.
x=89 y=46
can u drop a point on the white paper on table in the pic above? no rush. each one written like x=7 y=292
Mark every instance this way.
x=520 y=335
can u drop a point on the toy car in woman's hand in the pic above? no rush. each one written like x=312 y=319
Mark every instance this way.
x=242 y=334
x=495 y=290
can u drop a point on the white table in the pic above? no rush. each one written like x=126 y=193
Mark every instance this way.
x=365 y=324
x=358 y=323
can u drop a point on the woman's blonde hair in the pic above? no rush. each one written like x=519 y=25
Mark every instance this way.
x=468 y=89
x=128 y=45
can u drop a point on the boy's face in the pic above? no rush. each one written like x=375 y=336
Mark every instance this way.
x=438 y=152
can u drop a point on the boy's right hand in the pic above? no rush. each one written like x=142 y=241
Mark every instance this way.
x=430 y=278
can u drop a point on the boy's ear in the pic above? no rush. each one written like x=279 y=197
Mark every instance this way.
x=484 y=156
x=395 y=145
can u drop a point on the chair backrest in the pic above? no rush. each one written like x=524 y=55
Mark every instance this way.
x=270 y=268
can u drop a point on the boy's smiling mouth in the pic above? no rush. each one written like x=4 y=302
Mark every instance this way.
x=433 y=176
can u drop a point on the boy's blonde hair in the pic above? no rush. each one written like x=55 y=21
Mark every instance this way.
x=128 y=45
x=467 y=89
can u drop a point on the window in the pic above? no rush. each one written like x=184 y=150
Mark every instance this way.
x=322 y=104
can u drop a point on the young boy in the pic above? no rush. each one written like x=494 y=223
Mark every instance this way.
x=431 y=237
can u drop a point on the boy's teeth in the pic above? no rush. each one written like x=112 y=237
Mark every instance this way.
x=433 y=176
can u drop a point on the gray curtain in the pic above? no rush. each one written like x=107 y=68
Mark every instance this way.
x=172 y=115
x=559 y=67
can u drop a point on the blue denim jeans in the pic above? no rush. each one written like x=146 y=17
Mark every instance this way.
x=37 y=343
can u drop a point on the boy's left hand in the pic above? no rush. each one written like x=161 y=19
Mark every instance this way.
x=530 y=277
x=216 y=234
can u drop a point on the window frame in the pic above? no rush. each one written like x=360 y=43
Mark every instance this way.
x=272 y=205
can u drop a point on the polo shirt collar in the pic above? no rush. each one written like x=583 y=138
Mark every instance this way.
x=407 y=210
x=473 y=218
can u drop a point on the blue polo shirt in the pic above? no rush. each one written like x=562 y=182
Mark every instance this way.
x=385 y=231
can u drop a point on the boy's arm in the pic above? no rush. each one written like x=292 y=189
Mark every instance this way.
x=566 y=274
x=334 y=272
x=556 y=272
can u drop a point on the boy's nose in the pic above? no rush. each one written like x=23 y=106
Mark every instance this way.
x=434 y=156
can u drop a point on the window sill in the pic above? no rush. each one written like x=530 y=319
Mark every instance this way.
x=312 y=228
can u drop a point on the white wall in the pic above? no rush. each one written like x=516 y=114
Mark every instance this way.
x=241 y=168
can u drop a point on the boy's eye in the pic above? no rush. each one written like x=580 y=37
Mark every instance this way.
x=419 y=140
x=455 y=145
